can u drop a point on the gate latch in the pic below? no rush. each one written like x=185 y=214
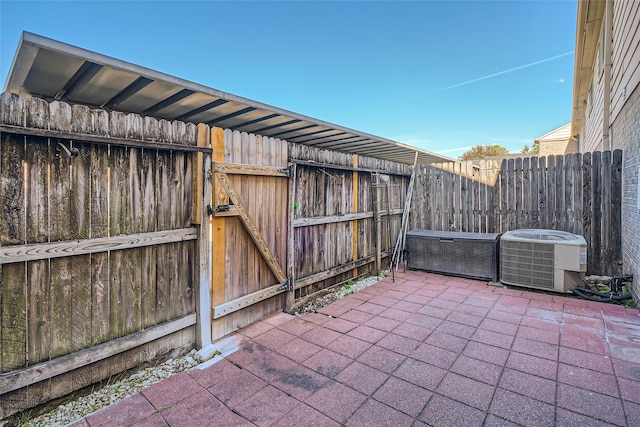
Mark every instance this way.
x=222 y=208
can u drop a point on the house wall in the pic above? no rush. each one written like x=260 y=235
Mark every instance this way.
x=557 y=147
x=625 y=125
x=624 y=119
x=626 y=131
x=591 y=135
x=625 y=52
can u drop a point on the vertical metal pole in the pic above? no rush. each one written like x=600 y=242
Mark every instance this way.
x=389 y=253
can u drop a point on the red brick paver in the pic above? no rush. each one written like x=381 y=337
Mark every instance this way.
x=427 y=350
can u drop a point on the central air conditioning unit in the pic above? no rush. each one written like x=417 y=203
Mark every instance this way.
x=544 y=259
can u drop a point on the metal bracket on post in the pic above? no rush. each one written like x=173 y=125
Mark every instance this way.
x=286 y=171
x=287 y=285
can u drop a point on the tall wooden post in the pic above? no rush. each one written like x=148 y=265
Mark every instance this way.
x=202 y=199
x=291 y=295
x=377 y=230
x=355 y=210
x=218 y=244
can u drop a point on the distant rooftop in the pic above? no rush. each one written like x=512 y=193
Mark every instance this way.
x=558 y=134
x=53 y=70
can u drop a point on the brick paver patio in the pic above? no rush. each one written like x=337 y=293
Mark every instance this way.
x=427 y=350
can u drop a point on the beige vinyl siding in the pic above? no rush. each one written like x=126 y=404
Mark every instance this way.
x=592 y=131
x=625 y=53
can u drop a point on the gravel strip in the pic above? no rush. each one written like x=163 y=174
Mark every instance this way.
x=72 y=411
x=348 y=289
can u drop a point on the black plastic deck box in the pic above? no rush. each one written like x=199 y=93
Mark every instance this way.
x=472 y=255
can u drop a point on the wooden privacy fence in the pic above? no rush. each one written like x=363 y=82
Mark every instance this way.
x=347 y=212
x=99 y=259
x=290 y=220
x=578 y=193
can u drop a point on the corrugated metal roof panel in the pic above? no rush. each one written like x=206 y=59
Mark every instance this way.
x=53 y=70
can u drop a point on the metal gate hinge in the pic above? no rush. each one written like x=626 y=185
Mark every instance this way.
x=222 y=208
x=286 y=171
x=287 y=285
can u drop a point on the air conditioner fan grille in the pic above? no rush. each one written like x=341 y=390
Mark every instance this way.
x=527 y=264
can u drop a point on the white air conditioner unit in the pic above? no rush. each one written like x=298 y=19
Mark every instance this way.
x=544 y=259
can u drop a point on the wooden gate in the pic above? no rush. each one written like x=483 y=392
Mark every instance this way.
x=250 y=230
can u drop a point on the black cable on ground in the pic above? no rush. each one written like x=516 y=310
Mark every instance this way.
x=599 y=296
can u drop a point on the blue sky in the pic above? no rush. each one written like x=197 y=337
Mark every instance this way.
x=443 y=76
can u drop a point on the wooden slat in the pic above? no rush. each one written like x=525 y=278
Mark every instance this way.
x=42 y=371
x=569 y=188
x=38 y=286
x=457 y=200
x=606 y=261
x=558 y=190
x=197 y=164
x=100 y=281
x=534 y=212
x=306 y=222
x=550 y=211
x=61 y=269
x=251 y=257
x=251 y=228
x=318 y=277
x=542 y=192
x=291 y=190
x=250 y=169
x=347 y=168
x=12 y=254
x=518 y=195
x=587 y=204
x=80 y=217
x=114 y=141
x=596 y=224
x=245 y=301
x=615 y=214
x=511 y=195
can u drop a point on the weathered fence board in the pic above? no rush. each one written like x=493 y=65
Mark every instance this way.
x=341 y=218
x=260 y=205
x=82 y=261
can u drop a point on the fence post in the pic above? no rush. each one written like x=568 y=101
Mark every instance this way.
x=354 y=209
x=218 y=243
x=203 y=196
x=291 y=293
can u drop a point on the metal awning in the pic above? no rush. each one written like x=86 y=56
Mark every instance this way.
x=53 y=70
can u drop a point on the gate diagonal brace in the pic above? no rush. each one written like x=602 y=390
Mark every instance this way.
x=287 y=285
x=252 y=229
